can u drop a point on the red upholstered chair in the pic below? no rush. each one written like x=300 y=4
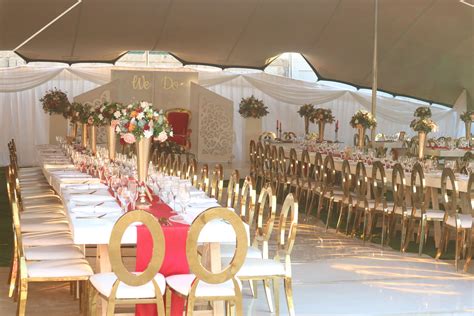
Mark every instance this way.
x=180 y=119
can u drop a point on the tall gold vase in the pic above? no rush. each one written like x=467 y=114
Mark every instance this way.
x=74 y=130
x=421 y=145
x=84 y=135
x=360 y=136
x=468 y=131
x=111 y=141
x=93 y=139
x=306 y=125
x=143 y=157
x=321 y=131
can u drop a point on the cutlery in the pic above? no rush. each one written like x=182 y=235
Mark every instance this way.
x=90 y=217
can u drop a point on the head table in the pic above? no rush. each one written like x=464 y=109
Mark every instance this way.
x=92 y=212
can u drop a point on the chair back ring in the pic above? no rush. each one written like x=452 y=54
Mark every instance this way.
x=237 y=261
x=115 y=253
x=418 y=186
x=289 y=206
x=448 y=182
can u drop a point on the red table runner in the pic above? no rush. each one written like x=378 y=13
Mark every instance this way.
x=175 y=261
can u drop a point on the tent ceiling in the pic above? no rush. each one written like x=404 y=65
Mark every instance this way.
x=426 y=47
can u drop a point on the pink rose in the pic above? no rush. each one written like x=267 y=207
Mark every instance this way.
x=114 y=123
x=129 y=138
x=162 y=137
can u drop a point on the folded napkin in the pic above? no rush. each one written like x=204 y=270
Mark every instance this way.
x=106 y=207
x=96 y=197
x=74 y=187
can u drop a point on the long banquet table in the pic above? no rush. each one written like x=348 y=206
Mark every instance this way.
x=92 y=230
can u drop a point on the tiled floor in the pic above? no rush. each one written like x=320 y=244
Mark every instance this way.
x=333 y=275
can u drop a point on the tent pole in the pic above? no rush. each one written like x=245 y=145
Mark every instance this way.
x=374 y=71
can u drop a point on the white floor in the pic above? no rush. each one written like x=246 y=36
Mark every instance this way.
x=333 y=275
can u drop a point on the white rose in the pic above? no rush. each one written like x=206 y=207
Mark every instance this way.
x=124 y=111
x=140 y=116
x=144 y=104
x=102 y=109
x=117 y=114
x=101 y=117
x=130 y=106
x=117 y=129
x=171 y=134
x=148 y=133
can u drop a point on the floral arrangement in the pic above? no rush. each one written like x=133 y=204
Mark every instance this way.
x=364 y=119
x=467 y=116
x=71 y=112
x=311 y=136
x=423 y=112
x=108 y=111
x=84 y=113
x=425 y=125
x=306 y=110
x=322 y=115
x=139 y=120
x=252 y=107
x=55 y=102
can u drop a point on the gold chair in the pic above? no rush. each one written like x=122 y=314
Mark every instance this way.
x=330 y=191
x=216 y=183
x=202 y=284
x=191 y=172
x=203 y=182
x=315 y=183
x=122 y=287
x=469 y=209
x=257 y=269
x=233 y=188
x=361 y=205
x=453 y=218
x=399 y=211
x=65 y=270
x=348 y=196
x=420 y=210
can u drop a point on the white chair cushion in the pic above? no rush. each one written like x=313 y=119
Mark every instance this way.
x=42 y=203
x=43 y=224
x=260 y=267
x=103 y=282
x=227 y=251
x=47 y=238
x=59 y=268
x=465 y=221
x=56 y=252
x=181 y=283
x=44 y=215
x=435 y=214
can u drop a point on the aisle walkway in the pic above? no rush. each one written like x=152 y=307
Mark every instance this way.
x=333 y=275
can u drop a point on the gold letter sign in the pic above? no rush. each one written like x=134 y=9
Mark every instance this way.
x=140 y=83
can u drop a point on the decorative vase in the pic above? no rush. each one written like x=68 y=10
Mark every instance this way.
x=421 y=145
x=306 y=125
x=93 y=139
x=321 y=131
x=143 y=157
x=360 y=136
x=84 y=135
x=251 y=130
x=111 y=141
x=74 y=131
x=468 y=131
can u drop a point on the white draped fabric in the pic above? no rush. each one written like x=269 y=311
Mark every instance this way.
x=23 y=118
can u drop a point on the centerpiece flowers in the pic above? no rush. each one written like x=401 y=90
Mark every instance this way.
x=423 y=124
x=362 y=120
x=83 y=113
x=306 y=111
x=322 y=116
x=138 y=123
x=106 y=116
x=252 y=107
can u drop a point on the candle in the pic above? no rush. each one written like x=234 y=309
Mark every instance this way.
x=337 y=125
x=277 y=125
x=280 y=126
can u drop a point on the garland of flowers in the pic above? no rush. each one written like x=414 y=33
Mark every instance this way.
x=322 y=115
x=252 y=107
x=138 y=120
x=306 y=110
x=364 y=119
x=55 y=102
x=467 y=116
x=423 y=112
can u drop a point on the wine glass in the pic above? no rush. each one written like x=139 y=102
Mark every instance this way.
x=133 y=189
x=125 y=198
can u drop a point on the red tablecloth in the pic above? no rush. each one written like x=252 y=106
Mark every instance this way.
x=175 y=255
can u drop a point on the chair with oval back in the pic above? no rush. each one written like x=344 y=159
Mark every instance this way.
x=315 y=181
x=400 y=211
x=233 y=189
x=124 y=287
x=361 y=205
x=183 y=172
x=216 y=183
x=202 y=284
x=469 y=209
x=266 y=137
x=203 y=182
x=278 y=268
x=252 y=153
x=379 y=206
x=259 y=164
x=330 y=191
x=348 y=197
x=420 y=210
x=191 y=172
x=453 y=218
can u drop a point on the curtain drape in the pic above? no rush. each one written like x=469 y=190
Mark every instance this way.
x=23 y=118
